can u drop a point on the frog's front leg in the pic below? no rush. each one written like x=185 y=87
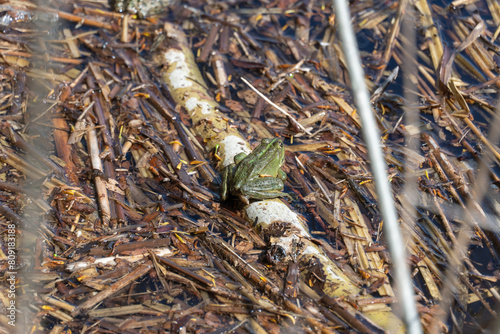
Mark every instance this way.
x=263 y=188
x=227 y=176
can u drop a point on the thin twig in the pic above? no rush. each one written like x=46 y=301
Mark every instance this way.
x=284 y=112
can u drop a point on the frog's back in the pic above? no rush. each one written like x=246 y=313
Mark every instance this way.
x=266 y=159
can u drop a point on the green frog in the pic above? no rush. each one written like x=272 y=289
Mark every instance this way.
x=257 y=175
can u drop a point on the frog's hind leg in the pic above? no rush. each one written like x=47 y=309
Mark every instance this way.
x=264 y=188
x=266 y=195
x=281 y=175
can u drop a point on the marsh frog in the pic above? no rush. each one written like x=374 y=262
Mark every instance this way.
x=257 y=175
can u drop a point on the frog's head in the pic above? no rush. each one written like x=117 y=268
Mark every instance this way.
x=277 y=148
x=272 y=155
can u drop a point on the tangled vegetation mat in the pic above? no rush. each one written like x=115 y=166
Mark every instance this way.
x=119 y=126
